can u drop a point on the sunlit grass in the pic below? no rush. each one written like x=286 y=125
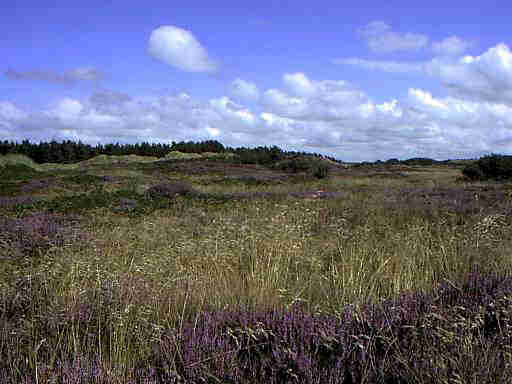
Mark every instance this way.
x=137 y=275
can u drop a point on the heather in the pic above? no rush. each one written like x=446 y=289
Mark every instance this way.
x=253 y=268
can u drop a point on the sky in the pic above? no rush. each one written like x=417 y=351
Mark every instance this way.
x=359 y=81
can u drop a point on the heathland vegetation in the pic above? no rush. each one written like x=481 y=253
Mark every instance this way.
x=198 y=263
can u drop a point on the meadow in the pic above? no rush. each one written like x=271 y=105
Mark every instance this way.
x=202 y=270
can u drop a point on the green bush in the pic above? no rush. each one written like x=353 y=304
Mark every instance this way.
x=297 y=164
x=494 y=166
x=321 y=171
x=473 y=172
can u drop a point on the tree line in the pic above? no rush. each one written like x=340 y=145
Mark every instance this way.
x=71 y=152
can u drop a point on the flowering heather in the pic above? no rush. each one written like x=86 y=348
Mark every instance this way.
x=453 y=332
x=10 y=202
x=37 y=232
x=397 y=341
x=355 y=278
x=36 y=185
x=458 y=200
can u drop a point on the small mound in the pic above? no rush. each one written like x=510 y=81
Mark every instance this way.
x=177 y=155
x=122 y=159
x=57 y=166
x=14 y=159
x=18 y=172
x=221 y=155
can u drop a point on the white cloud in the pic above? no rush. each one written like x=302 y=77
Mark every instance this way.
x=283 y=104
x=386 y=66
x=326 y=99
x=299 y=84
x=179 y=48
x=486 y=77
x=392 y=108
x=450 y=46
x=335 y=119
x=10 y=118
x=425 y=98
x=228 y=109
x=244 y=90
x=98 y=119
x=382 y=39
x=214 y=132
x=66 y=109
x=9 y=111
x=277 y=122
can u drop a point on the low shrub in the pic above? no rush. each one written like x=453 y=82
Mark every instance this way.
x=313 y=167
x=494 y=166
x=321 y=171
x=473 y=172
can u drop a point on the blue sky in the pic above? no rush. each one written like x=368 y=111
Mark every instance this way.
x=365 y=81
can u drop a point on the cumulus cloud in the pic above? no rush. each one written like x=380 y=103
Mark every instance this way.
x=386 y=66
x=9 y=111
x=451 y=46
x=424 y=98
x=10 y=118
x=244 y=90
x=179 y=48
x=68 y=77
x=326 y=99
x=382 y=39
x=347 y=122
x=299 y=84
x=230 y=110
x=66 y=109
x=486 y=77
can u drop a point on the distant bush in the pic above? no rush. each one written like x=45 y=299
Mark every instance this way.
x=494 y=166
x=393 y=161
x=169 y=190
x=422 y=161
x=312 y=166
x=321 y=171
x=473 y=172
x=297 y=164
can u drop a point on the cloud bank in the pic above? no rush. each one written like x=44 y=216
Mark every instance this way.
x=328 y=116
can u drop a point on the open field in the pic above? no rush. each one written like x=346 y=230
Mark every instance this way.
x=231 y=273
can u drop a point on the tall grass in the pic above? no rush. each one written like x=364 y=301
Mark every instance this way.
x=120 y=306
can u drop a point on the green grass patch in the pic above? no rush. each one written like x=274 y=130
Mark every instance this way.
x=18 y=172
